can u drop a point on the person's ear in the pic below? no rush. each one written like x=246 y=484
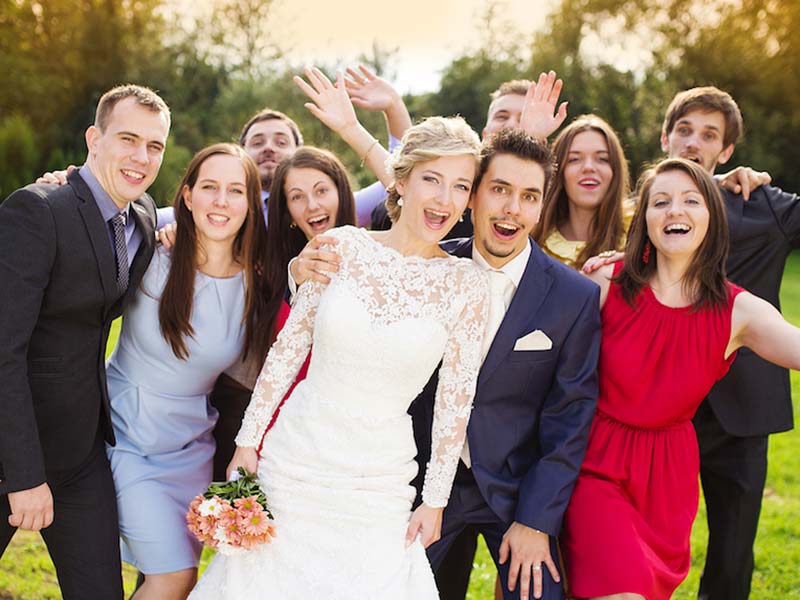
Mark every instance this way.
x=725 y=155
x=187 y=197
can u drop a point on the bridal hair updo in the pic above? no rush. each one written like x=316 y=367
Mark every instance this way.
x=430 y=139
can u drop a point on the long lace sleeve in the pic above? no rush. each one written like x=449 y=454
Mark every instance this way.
x=283 y=362
x=457 y=381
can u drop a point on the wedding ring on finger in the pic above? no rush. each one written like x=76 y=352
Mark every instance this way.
x=607 y=254
x=537 y=567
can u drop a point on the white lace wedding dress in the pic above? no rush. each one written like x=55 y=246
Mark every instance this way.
x=337 y=464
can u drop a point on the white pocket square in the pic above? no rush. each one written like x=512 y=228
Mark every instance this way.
x=535 y=340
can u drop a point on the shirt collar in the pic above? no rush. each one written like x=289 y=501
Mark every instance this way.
x=514 y=269
x=108 y=209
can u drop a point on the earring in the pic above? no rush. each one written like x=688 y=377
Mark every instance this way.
x=400 y=202
x=293 y=225
x=646 y=252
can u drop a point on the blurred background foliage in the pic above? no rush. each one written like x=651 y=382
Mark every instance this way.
x=58 y=57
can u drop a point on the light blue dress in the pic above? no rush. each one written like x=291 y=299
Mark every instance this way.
x=162 y=418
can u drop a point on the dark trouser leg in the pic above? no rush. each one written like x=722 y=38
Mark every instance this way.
x=452 y=576
x=733 y=471
x=83 y=540
x=231 y=400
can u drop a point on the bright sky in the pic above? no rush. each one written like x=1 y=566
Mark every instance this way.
x=427 y=33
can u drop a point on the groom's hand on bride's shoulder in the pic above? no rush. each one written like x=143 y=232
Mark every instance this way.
x=530 y=552
x=314 y=263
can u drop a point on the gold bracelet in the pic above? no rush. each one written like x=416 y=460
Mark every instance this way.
x=366 y=154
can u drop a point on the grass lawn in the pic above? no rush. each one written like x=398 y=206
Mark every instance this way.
x=26 y=572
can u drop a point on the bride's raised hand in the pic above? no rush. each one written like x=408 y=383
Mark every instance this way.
x=425 y=522
x=329 y=103
x=539 y=116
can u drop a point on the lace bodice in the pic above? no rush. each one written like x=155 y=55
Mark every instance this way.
x=379 y=330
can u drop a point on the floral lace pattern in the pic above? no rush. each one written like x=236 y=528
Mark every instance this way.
x=442 y=300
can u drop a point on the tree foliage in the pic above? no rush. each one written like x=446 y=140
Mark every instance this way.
x=58 y=56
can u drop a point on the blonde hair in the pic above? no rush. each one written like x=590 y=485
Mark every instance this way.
x=430 y=139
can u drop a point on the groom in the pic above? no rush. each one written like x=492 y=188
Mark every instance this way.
x=537 y=387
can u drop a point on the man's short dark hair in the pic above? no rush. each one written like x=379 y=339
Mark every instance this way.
x=268 y=114
x=706 y=99
x=144 y=97
x=515 y=142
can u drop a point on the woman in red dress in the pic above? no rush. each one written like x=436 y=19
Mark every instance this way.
x=671 y=327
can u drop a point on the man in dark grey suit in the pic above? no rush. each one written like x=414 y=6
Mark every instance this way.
x=70 y=257
x=753 y=399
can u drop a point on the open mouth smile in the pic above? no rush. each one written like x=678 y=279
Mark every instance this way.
x=435 y=219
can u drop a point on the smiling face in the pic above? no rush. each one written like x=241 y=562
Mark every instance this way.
x=698 y=136
x=218 y=199
x=677 y=214
x=435 y=195
x=312 y=200
x=125 y=157
x=268 y=143
x=587 y=172
x=506 y=207
x=504 y=112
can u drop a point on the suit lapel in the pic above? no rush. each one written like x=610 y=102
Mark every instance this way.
x=96 y=227
x=533 y=288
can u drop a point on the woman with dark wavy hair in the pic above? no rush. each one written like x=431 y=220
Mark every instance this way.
x=671 y=326
x=197 y=310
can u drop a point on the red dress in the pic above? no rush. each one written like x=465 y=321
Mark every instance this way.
x=628 y=523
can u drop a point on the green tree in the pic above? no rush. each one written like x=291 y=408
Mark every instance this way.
x=18 y=154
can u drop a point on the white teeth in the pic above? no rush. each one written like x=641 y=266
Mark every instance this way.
x=677 y=228
x=318 y=219
x=589 y=182
x=132 y=174
x=437 y=213
x=218 y=219
x=509 y=228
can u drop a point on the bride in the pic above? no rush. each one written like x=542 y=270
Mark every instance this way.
x=337 y=464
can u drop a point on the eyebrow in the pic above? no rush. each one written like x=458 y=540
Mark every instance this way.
x=686 y=122
x=138 y=137
x=212 y=180
x=504 y=182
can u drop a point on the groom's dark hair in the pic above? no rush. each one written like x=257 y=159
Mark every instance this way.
x=516 y=143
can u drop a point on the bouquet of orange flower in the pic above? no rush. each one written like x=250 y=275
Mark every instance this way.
x=232 y=516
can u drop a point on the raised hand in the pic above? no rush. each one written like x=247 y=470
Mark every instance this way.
x=369 y=91
x=329 y=103
x=539 y=116
x=314 y=263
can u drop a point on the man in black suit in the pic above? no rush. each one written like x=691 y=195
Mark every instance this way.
x=70 y=257
x=753 y=399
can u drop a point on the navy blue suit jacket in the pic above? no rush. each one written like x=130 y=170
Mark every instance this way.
x=533 y=409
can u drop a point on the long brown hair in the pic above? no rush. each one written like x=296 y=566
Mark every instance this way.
x=704 y=280
x=607 y=230
x=175 y=305
x=284 y=241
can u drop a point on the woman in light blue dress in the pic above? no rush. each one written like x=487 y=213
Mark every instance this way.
x=191 y=318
